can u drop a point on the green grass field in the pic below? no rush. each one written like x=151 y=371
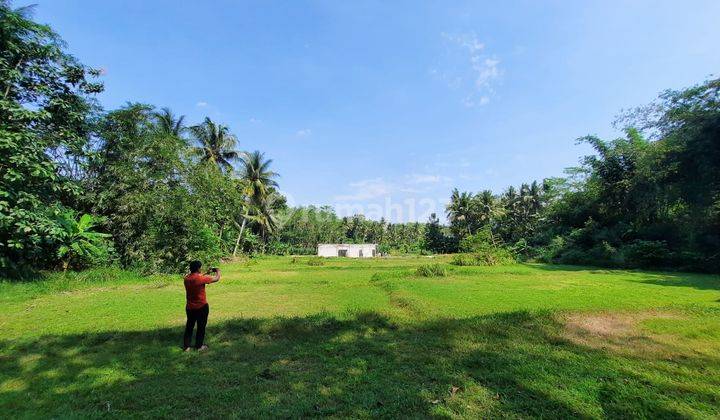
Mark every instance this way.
x=366 y=338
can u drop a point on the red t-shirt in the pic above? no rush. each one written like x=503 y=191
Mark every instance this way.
x=195 y=290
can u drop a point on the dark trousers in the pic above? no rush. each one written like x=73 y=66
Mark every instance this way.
x=196 y=315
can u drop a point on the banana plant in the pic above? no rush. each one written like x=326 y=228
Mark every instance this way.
x=78 y=240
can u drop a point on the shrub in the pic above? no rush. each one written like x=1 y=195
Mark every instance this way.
x=79 y=244
x=316 y=261
x=521 y=248
x=498 y=256
x=463 y=259
x=606 y=255
x=574 y=256
x=481 y=241
x=551 y=251
x=384 y=249
x=431 y=270
x=642 y=253
x=483 y=249
x=278 y=248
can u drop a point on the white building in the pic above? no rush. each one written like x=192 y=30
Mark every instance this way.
x=347 y=250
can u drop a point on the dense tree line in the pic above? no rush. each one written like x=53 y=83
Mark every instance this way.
x=134 y=186
x=303 y=228
x=648 y=199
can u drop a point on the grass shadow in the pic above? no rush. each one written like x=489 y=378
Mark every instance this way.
x=515 y=364
x=695 y=281
x=699 y=281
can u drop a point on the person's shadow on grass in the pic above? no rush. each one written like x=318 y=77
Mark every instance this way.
x=513 y=364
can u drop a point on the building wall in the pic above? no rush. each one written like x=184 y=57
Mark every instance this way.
x=353 y=250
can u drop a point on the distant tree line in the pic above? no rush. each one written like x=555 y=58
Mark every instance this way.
x=305 y=227
x=648 y=199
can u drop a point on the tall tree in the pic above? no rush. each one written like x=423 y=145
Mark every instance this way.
x=259 y=183
x=45 y=104
x=215 y=144
x=168 y=123
x=255 y=172
x=460 y=212
x=435 y=239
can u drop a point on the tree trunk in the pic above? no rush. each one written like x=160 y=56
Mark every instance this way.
x=237 y=243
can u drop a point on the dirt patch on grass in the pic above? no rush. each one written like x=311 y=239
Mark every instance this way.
x=618 y=331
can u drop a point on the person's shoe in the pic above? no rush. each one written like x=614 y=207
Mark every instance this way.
x=202 y=348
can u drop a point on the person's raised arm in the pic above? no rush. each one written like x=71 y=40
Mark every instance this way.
x=216 y=276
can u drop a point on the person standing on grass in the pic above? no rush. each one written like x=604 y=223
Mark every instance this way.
x=197 y=308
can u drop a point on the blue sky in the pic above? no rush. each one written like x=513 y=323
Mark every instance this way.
x=384 y=107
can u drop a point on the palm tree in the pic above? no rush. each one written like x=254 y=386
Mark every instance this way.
x=459 y=211
x=258 y=182
x=246 y=215
x=262 y=211
x=168 y=124
x=215 y=144
x=487 y=211
x=486 y=207
x=265 y=213
x=255 y=172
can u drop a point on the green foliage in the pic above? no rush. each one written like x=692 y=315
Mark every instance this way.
x=648 y=199
x=642 y=253
x=482 y=248
x=255 y=171
x=489 y=257
x=45 y=107
x=315 y=261
x=436 y=239
x=303 y=228
x=431 y=270
x=78 y=244
x=551 y=251
x=214 y=144
x=161 y=209
x=481 y=241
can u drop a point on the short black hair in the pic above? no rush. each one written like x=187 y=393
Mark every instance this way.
x=195 y=266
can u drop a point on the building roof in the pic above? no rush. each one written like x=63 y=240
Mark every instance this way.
x=366 y=244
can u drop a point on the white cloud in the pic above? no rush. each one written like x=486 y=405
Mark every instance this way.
x=254 y=120
x=305 y=132
x=468 y=41
x=486 y=72
x=367 y=189
x=201 y=104
x=425 y=179
x=483 y=72
x=411 y=190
